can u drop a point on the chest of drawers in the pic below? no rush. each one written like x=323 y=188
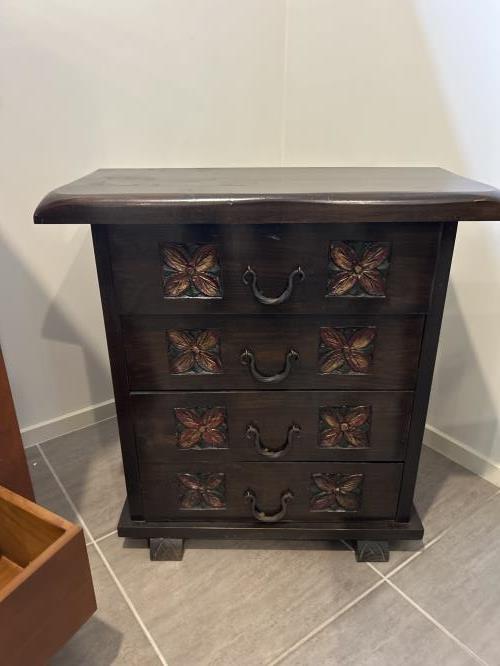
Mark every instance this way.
x=272 y=336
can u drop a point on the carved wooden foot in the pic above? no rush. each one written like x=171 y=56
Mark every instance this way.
x=166 y=550
x=372 y=551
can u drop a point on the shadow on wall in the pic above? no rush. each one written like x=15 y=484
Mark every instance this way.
x=38 y=367
x=79 y=284
x=461 y=405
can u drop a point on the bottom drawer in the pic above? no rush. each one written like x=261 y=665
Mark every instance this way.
x=271 y=492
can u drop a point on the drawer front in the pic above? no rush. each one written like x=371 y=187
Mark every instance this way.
x=208 y=353
x=277 y=426
x=263 y=492
x=292 y=269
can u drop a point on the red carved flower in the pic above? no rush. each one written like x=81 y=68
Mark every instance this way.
x=337 y=492
x=200 y=491
x=357 y=270
x=194 y=352
x=201 y=430
x=349 y=424
x=345 y=355
x=190 y=276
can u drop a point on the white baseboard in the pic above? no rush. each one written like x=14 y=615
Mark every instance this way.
x=462 y=454
x=62 y=425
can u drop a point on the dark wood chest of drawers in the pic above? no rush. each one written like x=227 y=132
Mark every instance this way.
x=272 y=336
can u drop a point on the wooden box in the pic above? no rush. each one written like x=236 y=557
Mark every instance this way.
x=46 y=590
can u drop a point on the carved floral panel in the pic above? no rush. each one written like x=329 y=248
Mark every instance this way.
x=346 y=351
x=201 y=428
x=344 y=427
x=201 y=491
x=190 y=271
x=358 y=268
x=194 y=352
x=336 y=492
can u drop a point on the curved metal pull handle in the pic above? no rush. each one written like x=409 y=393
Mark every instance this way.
x=253 y=433
x=247 y=358
x=250 y=277
x=262 y=517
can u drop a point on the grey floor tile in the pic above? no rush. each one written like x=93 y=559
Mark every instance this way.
x=445 y=494
x=458 y=583
x=381 y=630
x=88 y=463
x=47 y=491
x=236 y=602
x=112 y=635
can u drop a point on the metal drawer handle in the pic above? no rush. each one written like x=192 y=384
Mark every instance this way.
x=262 y=517
x=253 y=433
x=250 y=277
x=247 y=358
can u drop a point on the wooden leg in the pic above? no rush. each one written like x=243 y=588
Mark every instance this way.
x=166 y=550
x=372 y=551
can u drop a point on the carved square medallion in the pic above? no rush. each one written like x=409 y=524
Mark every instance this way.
x=194 y=352
x=358 y=268
x=344 y=427
x=336 y=492
x=190 y=271
x=201 y=491
x=346 y=351
x=201 y=428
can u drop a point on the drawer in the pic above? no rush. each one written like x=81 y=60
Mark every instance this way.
x=210 y=353
x=263 y=492
x=205 y=269
x=271 y=426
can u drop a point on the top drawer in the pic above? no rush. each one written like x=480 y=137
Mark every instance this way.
x=285 y=268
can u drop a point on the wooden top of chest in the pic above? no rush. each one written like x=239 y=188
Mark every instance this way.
x=275 y=195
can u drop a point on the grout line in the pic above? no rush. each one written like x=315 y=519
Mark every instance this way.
x=427 y=615
x=101 y=538
x=131 y=606
x=324 y=624
x=448 y=633
x=105 y=561
x=284 y=91
x=439 y=536
x=105 y=536
x=401 y=565
x=416 y=554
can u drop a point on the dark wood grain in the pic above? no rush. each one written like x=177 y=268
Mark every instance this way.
x=243 y=529
x=166 y=550
x=118 y=369
x=372 y=551
x=268 y=481
x=362 y=256
x=285 y=194
x=395 y=358
x=273 y=413
x=426 y=369
x=273 y=252
x=14 y=472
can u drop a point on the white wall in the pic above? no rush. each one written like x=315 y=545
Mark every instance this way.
x=239 y=82
x=111 y=83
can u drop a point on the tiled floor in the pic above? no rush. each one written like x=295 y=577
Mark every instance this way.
x=237 y=603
